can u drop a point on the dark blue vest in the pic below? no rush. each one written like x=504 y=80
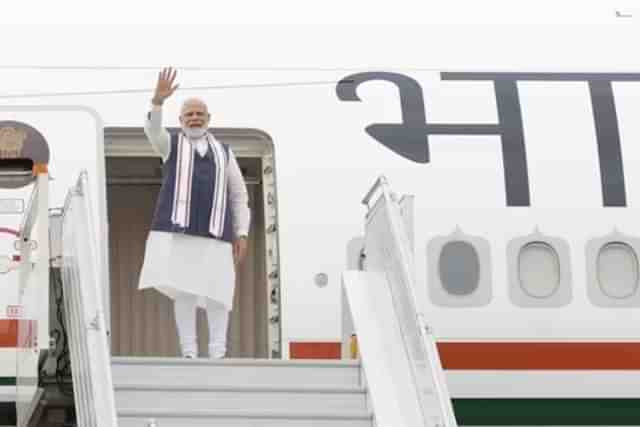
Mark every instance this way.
x=204 y=176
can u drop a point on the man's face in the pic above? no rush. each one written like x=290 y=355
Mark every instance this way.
x=195 y=115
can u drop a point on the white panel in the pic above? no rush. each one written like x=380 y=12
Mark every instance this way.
x=383 y=356
x=85 y=312
x=579 y=384
x=75 y=139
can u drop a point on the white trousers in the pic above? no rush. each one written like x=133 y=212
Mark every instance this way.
x=218 y=319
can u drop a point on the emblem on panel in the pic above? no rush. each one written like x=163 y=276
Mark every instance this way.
x=22 y=147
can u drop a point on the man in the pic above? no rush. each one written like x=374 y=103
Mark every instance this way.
x=200 y=225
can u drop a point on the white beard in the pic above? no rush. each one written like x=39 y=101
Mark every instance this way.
x=194 y=133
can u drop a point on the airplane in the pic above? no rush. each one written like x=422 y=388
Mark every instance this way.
x=522 y=172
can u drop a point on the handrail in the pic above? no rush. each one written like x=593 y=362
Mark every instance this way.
x=381 y=182
x=33 y=285
x=404 y=299
x=84 y=311
x=29 y=219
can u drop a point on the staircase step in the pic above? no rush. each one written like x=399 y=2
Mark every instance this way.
x=298 y=400
x=164 y=418
x=234 y=372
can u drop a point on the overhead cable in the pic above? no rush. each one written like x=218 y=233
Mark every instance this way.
x=191 y=88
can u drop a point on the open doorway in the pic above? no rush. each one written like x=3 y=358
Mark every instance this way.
x=143 y=322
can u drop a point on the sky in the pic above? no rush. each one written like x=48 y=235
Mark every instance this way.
x=274 y=12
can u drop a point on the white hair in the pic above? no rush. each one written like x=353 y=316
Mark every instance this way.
x=191 y=101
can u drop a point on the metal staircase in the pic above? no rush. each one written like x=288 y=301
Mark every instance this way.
x=405 y=381
x=239 y=392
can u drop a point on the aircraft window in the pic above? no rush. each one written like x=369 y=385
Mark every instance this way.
x=617 y=270
x=459 y=268
x=539 y=270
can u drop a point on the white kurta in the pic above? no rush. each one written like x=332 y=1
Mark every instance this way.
x=175 y=262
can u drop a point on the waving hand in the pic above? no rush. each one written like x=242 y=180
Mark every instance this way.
x=165 y=86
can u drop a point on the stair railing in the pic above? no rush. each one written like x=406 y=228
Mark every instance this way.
x=388 y=248
x=84 y=311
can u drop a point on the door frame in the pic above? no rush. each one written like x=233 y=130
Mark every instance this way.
x=245 y=142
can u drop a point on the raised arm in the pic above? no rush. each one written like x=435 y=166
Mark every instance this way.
x=157 y=135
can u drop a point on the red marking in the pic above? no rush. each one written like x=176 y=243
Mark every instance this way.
x=509 y=356
x=18 y=333
x=540 y=355
x=314 y=350
x=9 y=231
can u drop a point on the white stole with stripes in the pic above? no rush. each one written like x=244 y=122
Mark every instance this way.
x=181 y=212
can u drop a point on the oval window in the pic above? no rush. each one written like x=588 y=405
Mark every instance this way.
x=459 y=267
x=617 y=266
x=539 y=270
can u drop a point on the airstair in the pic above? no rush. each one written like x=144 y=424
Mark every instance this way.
x=397 y=382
